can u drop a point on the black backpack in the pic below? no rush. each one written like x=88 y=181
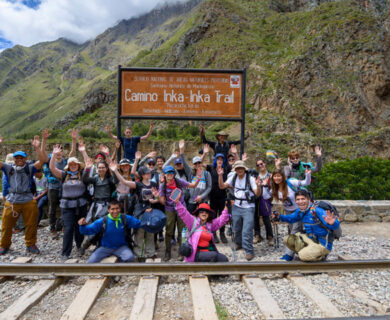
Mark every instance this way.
x=248 y=197
x=97 y=238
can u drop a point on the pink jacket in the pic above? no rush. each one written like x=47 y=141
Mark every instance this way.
x=188 y=220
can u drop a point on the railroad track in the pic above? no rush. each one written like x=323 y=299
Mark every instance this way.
x=256 y=277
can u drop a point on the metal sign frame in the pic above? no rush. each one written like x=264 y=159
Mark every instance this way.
x=173 y=70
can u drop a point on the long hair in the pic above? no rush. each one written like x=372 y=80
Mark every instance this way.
x=275 y=187
x=108 y=173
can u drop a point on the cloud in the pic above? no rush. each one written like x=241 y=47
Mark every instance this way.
x=29 y=22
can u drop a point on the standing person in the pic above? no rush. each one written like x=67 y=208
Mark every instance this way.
x=217 y=195
x=263 y=207
x=221 y=145
x=202 y=227
x=245 y=190
x=73 y=203
x=113 y=240
x=19 y=200
x=124 y=193
x=296 y=168
x=282 y=190
x=129 y=143
x=40 y=195
x=168 y=185
x=316 y=243
x=54 y=184
x=199 y=194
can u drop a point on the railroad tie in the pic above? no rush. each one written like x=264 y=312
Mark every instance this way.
x=323 y=302
x=87 y=296
x=264 y=300
x=202 y=299
x=145 y=298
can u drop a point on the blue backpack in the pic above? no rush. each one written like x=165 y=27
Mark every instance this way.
x=153 y=221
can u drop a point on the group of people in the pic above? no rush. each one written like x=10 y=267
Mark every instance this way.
x=107 y=200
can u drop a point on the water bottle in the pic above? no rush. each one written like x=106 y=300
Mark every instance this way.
x=183 y=234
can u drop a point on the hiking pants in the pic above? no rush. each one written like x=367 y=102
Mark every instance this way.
x=11 y=213
x=124 y=253
x=243 y=219
x=53 y=195
x=144 y=244
x=266 y=222
x=218 y=204
x=172 y=220
x=210 y=256
x=71 y=217
x=306 y=248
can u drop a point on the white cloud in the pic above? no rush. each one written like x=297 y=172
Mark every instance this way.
x=77 y=20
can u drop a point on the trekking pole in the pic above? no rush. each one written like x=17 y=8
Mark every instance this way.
x=276 y=233
x=229 y=206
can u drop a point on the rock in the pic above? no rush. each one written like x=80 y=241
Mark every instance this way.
x=386 y=219
x=350 y=217
x=372 y=218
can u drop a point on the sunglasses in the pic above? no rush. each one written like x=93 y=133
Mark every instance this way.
x=152 y=164
x=260 y=164
x=231 y=159
x=295 y=158
x=203 y=211
x=197 y=162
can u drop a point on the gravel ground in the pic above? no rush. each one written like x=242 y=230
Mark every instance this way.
x=13 y=289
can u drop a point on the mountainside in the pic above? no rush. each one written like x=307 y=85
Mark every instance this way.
x=318 y=71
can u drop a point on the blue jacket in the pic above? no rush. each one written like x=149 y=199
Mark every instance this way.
x=312 y=225
x=5 y=184
x=113 y=237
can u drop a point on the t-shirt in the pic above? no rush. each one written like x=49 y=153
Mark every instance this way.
x=130 y=146
x=166 y=192
x=239 y=190
x=41 y=184
x=144 y=193
x=204 y=239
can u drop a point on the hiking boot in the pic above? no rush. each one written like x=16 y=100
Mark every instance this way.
x=287 y=257
x=238 y=247
x=257 y=239
x=249 y=256
x=64 y=257
x=216 y=239
x=270 y=241
x=223 y=238
x=180 y=258
x=33 y=249
x=3 y=251
x=167 y=256
x=81 y=251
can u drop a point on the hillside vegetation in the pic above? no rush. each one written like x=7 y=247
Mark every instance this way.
x=318 y=72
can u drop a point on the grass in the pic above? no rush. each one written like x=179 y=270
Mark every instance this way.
x=222 y=312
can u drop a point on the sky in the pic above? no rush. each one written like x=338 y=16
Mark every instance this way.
x=27 y=22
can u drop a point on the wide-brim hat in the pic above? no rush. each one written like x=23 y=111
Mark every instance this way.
x=125 y=161
x=205 y=207
x=221 y=133
x=74 y=160
x=239 y=164
x=144 y=170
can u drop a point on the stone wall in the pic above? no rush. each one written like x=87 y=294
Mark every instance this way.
x=360 y=210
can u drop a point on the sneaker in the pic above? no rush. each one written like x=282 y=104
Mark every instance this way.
x=81 y=251
x=286 y=257
x=249 y=256
x=257 y=238
x=223 y=238
x=216 y=239
x=270 y=241
x=238 y=247
x=64 y=257
x=3 y=251
x=33 y=249
x=167 y=256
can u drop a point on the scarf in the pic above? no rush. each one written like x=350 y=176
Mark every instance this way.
x=115 y=219
x=72 y=173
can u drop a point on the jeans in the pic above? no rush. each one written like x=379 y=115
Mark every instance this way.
x=123 y=253
x=210 y=256
x=70 y=217
x=41 y=203
x=243 y=220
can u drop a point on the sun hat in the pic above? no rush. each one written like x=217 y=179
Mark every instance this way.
x=74 y=160
x=125 y=161
x=239 y=164
x=205 y=207
x=221 y=133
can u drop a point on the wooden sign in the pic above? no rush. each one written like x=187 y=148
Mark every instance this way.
x=181 y=94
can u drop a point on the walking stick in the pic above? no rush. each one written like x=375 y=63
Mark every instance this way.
x=229 y=206
x=276 y=232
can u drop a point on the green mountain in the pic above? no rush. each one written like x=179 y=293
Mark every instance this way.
x=318 y=71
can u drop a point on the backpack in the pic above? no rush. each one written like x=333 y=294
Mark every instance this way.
x=332 y=234
x=299 y=188
x=153 y=221
x=97 y=238
x=248 y=198
x=32 y=186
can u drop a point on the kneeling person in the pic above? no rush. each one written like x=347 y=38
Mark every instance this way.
x=316 y=244
x=113 y=240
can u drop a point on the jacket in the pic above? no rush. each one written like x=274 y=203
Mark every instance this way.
x=312 y=226
x=113 y=237
x=188 y=220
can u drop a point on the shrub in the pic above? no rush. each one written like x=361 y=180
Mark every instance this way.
x=358 y=179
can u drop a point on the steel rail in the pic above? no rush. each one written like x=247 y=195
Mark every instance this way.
x=161 y=269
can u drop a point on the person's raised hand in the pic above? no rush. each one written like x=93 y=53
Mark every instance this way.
x=201 y=128
x=138 y=155
x=81 y=145
x=151 y=125
x=220 y=171
x=74 y=134
x=182 y=144
x=206 y=148
x=104 y=149
x=88 y=163
x=151 y=154
x=244 y=156
x=108 y=128
x=57 y=149
x=36 y=142
x=330 y=217
x=278 y=162
x=233 y=149
x=249 y=132
x=318 y=151
x=117 y=143
x=113 y=166
x=45 y=134
x=176 y=154
x=198 y=199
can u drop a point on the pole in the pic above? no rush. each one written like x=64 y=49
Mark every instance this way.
x=119 y=111
x=243 y=99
